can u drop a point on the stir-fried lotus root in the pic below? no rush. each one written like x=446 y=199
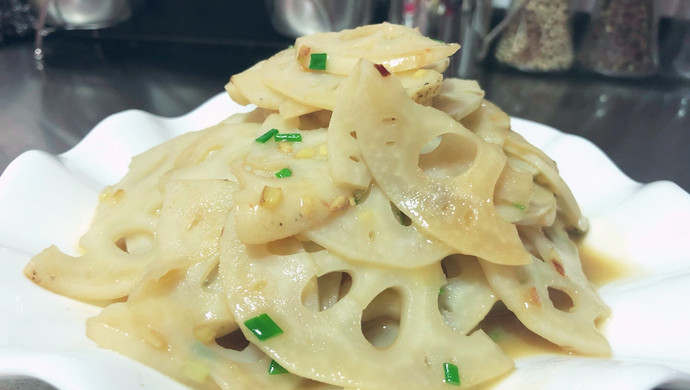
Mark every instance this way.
x=353 y=230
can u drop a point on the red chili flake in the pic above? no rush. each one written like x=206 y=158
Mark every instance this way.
x=558 y=266
x=304 y=51
x=382 y=69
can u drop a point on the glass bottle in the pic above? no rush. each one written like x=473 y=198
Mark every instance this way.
x=621 y=39
x=536 y=36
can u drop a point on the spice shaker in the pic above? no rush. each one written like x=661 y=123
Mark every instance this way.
x=621 y=39
x=17 y=19
x=536 y=36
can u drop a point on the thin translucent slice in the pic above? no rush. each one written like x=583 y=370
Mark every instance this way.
x=452 y=196
x=489 y=122
x=211 y=156
x=467 y=297
x=121 y=242
x=521 y=200
x=270 y=279
x=249 y=87
x=439 y=66
x=347 y=164
x=257 y=115
x=552 y=296
x=320 y=89
x=345 y=158
x=422 y=85
x=458 y=97
x=291 y=108
x=285 y=75
x=172 y=323
x=514 y=189
x=236 y=94
x=315 y=120
x=177 y=310
x=192 y=218
x=519 y=196
x=269 y=207
x=548 y=175
x=397 y=47
x=376 y=235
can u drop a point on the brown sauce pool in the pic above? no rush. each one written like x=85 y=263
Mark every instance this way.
x=517 y=341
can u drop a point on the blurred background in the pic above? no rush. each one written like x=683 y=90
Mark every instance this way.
x=614 y=71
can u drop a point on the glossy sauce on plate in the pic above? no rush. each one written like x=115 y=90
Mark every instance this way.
x=518 y=341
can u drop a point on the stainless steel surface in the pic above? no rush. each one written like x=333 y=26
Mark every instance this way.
x=301 y=17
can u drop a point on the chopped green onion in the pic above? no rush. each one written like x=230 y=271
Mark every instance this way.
x=275 y=369
x=403 y=219
x=318 y=61
x=290 y=137
x=285 y=172
x=519 y=206
x=263 y=327
x=441 y=291
x=452 y=376
x=496 y=335
x=267 y=136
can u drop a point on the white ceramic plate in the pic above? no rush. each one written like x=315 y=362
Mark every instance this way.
x=46 y=199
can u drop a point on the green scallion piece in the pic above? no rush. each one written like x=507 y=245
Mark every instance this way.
x=496 y=335
x=263 y=327
x=276 y=369
x=451 y=374
x=519 y=206
x=318 y=61
x=267 y=136
x=285 y=172
x=289 y=137
x=357 y=196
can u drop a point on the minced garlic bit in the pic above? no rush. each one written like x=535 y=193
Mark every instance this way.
x=338 y=203
x=285 y=147
x=271 y=197
x=153 y=338
x=305 y=153
x=205 y=334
